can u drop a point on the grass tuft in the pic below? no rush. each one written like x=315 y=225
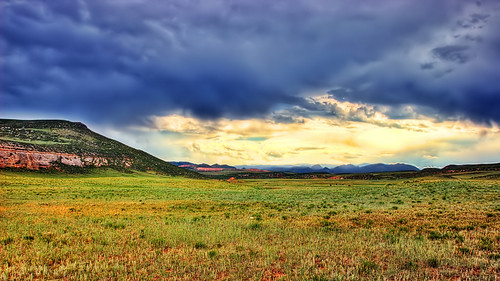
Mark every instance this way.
x=200 y=245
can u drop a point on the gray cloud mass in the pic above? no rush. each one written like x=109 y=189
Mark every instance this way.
x=122 y=61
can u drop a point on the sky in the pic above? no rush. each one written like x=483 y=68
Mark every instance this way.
x=263 y=82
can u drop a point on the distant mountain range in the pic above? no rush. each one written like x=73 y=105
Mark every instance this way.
x=300 y=169
x=203 y=167
x=342 y=169
x=213 y=168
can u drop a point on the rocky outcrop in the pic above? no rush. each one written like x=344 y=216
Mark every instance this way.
x=12 y=156
x=61 y=144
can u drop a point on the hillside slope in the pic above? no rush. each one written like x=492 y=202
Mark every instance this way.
x=36 y=144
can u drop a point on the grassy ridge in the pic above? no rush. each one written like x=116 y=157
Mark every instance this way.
x=128 y=226
x=75 y=138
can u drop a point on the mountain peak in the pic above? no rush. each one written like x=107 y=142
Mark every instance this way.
x=316 y=167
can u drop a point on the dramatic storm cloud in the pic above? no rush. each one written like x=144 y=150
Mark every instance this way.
x=263 y=82
x=124 y=61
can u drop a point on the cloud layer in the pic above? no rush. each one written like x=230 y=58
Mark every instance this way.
x=124 y=61
x=321 y=140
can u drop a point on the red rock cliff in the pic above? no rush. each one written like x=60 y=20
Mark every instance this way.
x=12 y=156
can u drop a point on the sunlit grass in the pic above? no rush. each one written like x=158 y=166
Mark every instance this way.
x=142 y=226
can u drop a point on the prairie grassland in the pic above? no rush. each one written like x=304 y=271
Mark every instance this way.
x=112 y=226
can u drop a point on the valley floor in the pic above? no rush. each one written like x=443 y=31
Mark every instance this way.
x=112 y=226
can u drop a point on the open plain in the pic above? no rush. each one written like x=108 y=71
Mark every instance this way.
x=109 y=225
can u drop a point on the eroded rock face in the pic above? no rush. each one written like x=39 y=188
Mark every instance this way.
x=19 y=157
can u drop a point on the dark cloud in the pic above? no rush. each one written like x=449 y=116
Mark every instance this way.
x=122 y=61
x=428 y=65
x=475 y=20
x=456 y=80
x=455 y=53
x=479 y=18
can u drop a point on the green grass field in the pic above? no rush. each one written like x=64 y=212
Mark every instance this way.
x=113 y=226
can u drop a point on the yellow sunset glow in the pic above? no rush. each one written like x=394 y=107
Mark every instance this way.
x=329 y=140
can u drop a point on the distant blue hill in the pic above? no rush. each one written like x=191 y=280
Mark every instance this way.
x=204 y=165
x=343 y=169
x=373 y=168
